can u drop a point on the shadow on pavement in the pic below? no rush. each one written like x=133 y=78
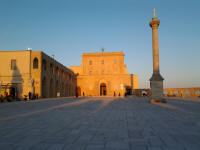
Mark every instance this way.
x=103 y=103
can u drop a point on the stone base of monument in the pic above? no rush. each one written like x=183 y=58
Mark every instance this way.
x=156 y=84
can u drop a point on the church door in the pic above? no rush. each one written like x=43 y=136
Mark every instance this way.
x=78 y=91
x=102 y=89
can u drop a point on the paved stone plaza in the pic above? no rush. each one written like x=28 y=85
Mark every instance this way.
x=100 y=124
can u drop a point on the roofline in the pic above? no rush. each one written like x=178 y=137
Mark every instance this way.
x=103 y=53
x=18 y=51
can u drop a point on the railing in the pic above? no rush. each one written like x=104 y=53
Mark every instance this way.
x=182 y=92
x=171 y=92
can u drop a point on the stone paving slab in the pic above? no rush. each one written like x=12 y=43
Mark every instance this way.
x=100 y=123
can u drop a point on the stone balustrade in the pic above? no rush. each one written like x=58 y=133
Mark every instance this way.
x=171 y=92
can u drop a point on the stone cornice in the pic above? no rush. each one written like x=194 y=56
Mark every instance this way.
x=104 y=54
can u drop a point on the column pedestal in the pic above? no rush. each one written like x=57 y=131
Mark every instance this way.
x=156 y=84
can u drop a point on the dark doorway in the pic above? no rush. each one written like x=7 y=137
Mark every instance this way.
x=12 y=92
x=102 y=89
x=78 y=91
x=128 y=90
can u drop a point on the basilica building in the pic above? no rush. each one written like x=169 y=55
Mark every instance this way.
x=104 y=74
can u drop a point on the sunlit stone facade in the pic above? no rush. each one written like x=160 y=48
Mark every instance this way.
x=27 y=71
x=104 y=74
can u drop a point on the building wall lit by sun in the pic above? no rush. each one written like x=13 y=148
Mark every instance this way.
x=27 y=71
x=104 y=74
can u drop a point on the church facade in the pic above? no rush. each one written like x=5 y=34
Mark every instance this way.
x=104 y=74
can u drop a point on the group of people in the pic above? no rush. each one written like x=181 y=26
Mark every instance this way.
x=30 y=96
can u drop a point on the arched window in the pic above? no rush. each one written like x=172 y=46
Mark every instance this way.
x=70 y=77
x=57 y=71
x=62 y=73
x=44 y=64
x=35 y=63
x=51 y=68
x=90 y=62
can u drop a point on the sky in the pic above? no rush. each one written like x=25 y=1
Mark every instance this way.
x=68 y=28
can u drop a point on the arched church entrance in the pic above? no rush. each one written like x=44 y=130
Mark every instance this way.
x=103 y=89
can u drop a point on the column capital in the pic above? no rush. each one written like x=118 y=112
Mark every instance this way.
x=154 y=23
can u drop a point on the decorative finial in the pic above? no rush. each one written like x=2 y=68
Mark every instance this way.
x=154 y=13
x=102 y=50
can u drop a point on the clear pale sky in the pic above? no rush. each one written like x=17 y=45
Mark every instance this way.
x=68 y=28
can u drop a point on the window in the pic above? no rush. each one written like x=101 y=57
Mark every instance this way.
x=51 y=68
x=70 y=77
x=90 y=72
x=57 y=71
x=35 y=63
x=115 y=61
x=90 y=62
x=102 y=62
x=44 y=64
x=102 y=72
x=63 y=73
x=13 y=64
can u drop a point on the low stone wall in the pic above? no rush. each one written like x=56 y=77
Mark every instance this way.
x=182 y=92
x=171 y=92
x=142 y=92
